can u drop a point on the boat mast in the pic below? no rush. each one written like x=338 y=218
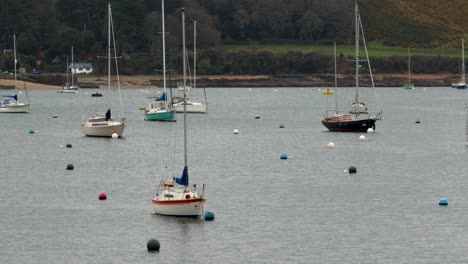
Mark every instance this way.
x=68 y=83
x=356 y=10
x=14 y=54
x=164 y=48
x=409 y=66
x=184 y=51
x=194 y=54
x=109 y=49
x=463 y=60
x=336 y=81
x=73 y=66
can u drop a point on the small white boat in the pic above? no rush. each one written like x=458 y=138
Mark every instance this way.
x=178 y=200
x=192 y=107
x=70 y=88
x=10 y=103
x=99 y=125
x=180 y=87
x=174 y=197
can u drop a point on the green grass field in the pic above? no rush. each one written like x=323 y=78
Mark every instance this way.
x=374 y=49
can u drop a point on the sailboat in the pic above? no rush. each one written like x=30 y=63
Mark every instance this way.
x=103 y=125
x=160 y=109
x=10 y=103
x=461 y=84
x=174 y=197
x=190 y=105
x=70 y=88
x=409 y=85
x=358 y=118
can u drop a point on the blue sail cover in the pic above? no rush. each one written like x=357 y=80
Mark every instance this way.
x=183 y=180
x=12 y=96
x=162 y=97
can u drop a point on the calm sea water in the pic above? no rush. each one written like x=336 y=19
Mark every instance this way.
x=302 y=210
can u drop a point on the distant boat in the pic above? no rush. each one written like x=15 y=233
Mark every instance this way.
x=462 y=83
x=161 y=109
x=180 y=87
x=409 y=85
x=70 y=88
x=10 y=103
x=328 y=92
x=103 y=125
x=96 y=94
x=357 y=119
x=191 y=105
x=174 y=196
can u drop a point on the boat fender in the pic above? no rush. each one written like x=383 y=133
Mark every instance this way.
x=187 y=196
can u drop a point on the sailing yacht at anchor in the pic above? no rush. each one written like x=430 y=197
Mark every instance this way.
x=99 y=125
x=174 y=197
x=192 y=106
x=358 y=118
x=70 y=88
x=161 y=109
x=10 y=103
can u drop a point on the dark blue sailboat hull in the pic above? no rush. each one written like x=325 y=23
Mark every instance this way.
x=350 y=126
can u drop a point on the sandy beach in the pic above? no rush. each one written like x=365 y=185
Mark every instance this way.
x=55 y=81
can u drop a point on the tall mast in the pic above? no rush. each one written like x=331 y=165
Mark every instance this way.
x=73 y=66
x=357 y=51
x=14 y=54
x=68 y=66
x=109 y=49
x=409 y=65
x=185 y=86
x=463 y=60
x=336 y=81
x=163 y=47
x=194 y=54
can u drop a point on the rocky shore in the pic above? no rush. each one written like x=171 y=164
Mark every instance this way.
x=55 y=81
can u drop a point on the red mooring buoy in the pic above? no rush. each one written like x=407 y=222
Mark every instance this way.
x=102 y=196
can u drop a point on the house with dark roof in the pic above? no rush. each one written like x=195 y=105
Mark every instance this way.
x=81 y=67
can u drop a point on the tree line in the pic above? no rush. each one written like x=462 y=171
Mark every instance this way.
x=47 y=29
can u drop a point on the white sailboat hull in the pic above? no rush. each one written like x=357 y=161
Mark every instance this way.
x=186 y=208
x=91 y=129
x=68 y=91
x=192 y=107
x=15 y=108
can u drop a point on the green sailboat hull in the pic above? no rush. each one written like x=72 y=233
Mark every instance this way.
x=162 y=116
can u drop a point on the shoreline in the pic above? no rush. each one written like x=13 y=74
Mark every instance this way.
x=54 y=81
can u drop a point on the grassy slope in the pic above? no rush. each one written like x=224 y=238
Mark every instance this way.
x=375 y=50
x=414 y=23
x=431 y=23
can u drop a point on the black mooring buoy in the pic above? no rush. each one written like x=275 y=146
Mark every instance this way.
x=153 y=245
x=68 y=145
x=70 y=167
x=352 y=169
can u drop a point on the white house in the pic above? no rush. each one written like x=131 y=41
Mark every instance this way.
x=81 y=67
